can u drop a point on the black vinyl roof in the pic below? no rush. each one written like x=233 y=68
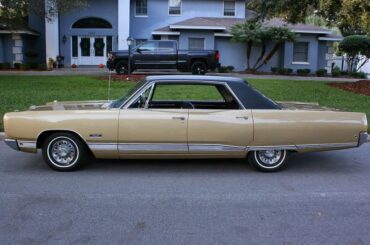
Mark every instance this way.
x=248 y=96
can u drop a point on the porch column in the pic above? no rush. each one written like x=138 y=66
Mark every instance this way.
x=123 y=23
x=51 y=35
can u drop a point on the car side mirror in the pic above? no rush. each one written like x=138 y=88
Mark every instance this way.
x=138 y=50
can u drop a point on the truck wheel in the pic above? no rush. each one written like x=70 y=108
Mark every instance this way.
x=64 y=152
x=198 y=68
x=122 y=68
x=268 y=160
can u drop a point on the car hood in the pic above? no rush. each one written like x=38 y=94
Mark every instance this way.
x=72 y=105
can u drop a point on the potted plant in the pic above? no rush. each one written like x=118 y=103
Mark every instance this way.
x=51 y=63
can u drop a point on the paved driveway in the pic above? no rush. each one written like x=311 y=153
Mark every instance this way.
x=322 y=198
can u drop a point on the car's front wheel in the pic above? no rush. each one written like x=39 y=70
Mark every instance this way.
x=64 y=152
x=268 y=160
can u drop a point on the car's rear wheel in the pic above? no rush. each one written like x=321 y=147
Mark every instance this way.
x=122 y=67
x=64 y=152
x=198 y=68
x=268 y=160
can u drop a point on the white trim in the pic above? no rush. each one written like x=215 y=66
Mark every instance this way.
x=331 y=39
x=169 y=33
x=221 y=28
x=123 y=23
x=223 y=35
x=300 y=63
x=19 y=32
x=311 y=32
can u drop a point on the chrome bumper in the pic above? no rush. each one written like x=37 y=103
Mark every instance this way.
x=362 y=139
x=12 y=144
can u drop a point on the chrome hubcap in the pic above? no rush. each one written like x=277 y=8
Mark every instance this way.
x=63 y=152
x=269 y=157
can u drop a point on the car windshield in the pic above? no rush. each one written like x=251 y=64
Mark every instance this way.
x=118 y=103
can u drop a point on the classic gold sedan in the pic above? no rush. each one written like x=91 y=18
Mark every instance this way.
x=182 y=117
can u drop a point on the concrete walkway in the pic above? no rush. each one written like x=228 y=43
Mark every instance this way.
x=102 y=72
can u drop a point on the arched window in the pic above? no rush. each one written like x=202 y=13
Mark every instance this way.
x=92 y=23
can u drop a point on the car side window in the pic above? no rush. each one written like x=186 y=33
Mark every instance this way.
x=141 y=101
x=192 y=96
x=166 y=46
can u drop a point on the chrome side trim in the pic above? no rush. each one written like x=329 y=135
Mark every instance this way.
x=31 y=145
x=332 y=145
x=103 y=146
x=215 y=148
x=12 y=144
x=273 y=147
x=362 y=138
x=153 y=147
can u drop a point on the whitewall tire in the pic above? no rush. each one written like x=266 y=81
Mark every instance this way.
x=268 y=160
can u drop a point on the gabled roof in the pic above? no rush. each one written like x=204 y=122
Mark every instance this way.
x=222 y=26
x=4 y=29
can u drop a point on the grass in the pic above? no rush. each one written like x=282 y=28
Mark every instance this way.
x=19 y=92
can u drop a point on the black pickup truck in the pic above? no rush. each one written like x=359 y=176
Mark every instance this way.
x=163 y=55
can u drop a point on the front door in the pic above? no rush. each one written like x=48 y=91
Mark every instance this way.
x=152 y=132
x=92 y=50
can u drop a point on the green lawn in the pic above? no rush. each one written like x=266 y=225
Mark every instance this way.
x=19 y=92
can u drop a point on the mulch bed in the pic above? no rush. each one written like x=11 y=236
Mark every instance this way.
x=360 y=87
x=123 y=78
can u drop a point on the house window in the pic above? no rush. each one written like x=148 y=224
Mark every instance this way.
x=300 y=52
x=141 y=8
x=174 y=7
x=74 y=46
x=229 y=8
x=92 y=23
x=196 y=43
x=109 y=44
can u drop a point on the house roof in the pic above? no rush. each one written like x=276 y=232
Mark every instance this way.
x=222 y=26
x=4 y=29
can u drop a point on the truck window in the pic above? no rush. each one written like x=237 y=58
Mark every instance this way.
x=149 y=46
x=167 y=46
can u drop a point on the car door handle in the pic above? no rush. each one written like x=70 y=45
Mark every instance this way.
x=179 y=118
x=244 y=118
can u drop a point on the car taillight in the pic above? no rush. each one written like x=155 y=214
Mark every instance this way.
x=217 y=56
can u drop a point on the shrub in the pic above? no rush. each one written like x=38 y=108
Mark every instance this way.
x=357 y=48
x=32 y=65
x=344 y=73
x=303 y=72
x=101 y=66
x=275 y=69
x=42 y=67
x=285 y=71
x=321 y=72
x=336 y=72
x=5 y=65
x=17 y=66
x=222 y=69
x=230 y=68
x=25 y=67
x=74 y=66
x=361 y=75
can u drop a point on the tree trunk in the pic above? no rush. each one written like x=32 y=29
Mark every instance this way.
x=249 y=51
x=263 y=51
x=270 y=55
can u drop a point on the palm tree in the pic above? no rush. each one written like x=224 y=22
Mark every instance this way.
x=249 y=33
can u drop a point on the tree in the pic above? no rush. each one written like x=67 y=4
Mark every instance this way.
x=248 y=32
x=357 y=49
x=13 y=13
x=351 y=16
x=253 y=33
